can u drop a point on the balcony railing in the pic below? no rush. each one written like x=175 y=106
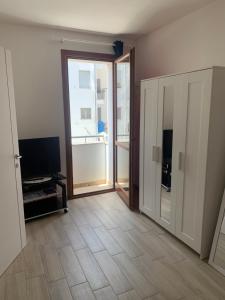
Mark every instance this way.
x=89 y=159
x=88 y=139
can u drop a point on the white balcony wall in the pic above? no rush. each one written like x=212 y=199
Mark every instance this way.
x=89 y=162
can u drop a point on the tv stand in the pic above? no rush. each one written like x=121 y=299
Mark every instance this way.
x=44 y=196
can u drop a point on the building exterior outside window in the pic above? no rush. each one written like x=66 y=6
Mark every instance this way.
x=85 y=113
x=99 y=113
x=88 y=89
x=118 y=113
x=123 y=101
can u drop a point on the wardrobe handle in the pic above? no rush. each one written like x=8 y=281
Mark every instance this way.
x=155 y=153
x=180 y=161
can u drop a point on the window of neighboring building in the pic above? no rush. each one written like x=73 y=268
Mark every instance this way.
x=85 y=113
x=84 y=79
x=118 y=113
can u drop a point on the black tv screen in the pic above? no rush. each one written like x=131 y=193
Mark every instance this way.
x=40 y=157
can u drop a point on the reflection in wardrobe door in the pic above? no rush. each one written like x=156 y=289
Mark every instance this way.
x=165 y=187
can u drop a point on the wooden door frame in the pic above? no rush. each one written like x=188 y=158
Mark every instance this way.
x=71 y=54
x=133 y=200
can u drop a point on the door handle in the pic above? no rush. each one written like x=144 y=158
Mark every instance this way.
x=155 y=153
x=17 y=156
x=181 y=161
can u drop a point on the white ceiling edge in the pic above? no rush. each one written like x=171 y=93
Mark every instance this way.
x=6 y=19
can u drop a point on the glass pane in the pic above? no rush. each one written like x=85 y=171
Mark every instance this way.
x=123 y=101
x=123 y=168
x=123 y=122
x=91 y=115
x=167 y=146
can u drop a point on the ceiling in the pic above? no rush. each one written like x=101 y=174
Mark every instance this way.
x=116 y=17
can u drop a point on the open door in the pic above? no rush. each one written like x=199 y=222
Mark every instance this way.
x=12 y=226
x=126 y=121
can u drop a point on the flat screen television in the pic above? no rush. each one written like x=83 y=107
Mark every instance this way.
x=40 y=157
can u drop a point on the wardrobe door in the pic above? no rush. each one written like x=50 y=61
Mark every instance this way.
x=166 y=136
x=193 y=136
x=148 y=149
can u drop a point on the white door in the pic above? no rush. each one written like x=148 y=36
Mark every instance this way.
x=12 y=235
x=166 y=137
x=148 y=150
x=193 y=137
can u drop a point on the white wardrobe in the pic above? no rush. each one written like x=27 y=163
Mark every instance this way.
x=12 y=225
x=182 y=153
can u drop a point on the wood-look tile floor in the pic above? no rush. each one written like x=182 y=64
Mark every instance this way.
x=101 y=250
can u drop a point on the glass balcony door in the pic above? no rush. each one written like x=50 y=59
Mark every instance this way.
x=122 y=119
x=90 y=132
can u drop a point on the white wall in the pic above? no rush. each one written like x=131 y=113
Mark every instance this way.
x=195 y=41
x=36 y=62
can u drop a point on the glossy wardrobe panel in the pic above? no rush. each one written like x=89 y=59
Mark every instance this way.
x=148 y=147
x=166 y=135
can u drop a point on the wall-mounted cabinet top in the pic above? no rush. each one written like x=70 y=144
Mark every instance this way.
x=182 y=153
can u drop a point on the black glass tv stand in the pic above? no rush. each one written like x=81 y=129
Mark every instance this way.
x=43 y=196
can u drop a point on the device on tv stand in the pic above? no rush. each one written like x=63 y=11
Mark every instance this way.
x=37 y=180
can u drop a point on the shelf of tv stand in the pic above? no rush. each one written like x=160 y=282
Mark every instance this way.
x=44 y=198
x=36 y=196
